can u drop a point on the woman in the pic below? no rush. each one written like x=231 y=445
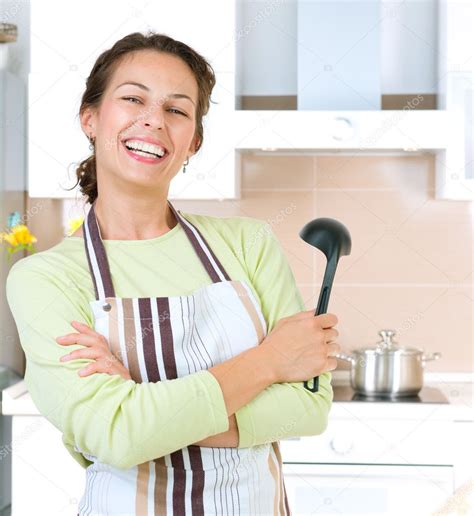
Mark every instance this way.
x=184 y=396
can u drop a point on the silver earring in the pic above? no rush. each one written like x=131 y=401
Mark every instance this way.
x=91 y=143
x=184 y=168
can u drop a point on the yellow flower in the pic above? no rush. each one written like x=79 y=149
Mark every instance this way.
x=22 y=235
x=19 y=238
x=75 y=224
x=9 y=237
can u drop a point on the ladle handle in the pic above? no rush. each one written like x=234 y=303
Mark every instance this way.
x=322 y=307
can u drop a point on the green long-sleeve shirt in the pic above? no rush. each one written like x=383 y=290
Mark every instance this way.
x=121 y=422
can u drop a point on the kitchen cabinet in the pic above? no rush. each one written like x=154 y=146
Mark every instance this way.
x=62 y=55
x=334 y=73
x=384 y=458
x=359 y=131
x=423 y=58
x=7 y=378
x=54 y=480
x=326 y=489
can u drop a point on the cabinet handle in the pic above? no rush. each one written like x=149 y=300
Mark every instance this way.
x=341 y=445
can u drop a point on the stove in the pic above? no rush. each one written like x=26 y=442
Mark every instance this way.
x=426 y=395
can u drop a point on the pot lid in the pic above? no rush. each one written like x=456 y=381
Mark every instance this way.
x=388 y=346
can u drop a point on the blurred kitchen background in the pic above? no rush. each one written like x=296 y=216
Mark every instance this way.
x=361 y=111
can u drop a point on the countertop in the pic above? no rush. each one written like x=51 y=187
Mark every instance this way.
x=457 y=387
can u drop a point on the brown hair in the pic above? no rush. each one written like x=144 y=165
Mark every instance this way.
x=101 y=74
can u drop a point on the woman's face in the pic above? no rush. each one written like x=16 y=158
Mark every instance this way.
x=129 y=114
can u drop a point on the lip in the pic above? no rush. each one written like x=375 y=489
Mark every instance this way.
x=143 y=159
x=147 y=139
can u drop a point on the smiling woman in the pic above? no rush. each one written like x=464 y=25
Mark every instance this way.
x=172 y=397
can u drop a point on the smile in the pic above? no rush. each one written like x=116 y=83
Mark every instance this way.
x=143 y=156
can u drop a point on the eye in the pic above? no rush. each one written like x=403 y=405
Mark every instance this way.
x=180 y=112
x=139 y=101
x=131 y=98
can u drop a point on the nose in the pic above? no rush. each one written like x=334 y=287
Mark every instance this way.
x=153 y=116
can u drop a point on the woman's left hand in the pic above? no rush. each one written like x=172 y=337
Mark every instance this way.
x=97 y=348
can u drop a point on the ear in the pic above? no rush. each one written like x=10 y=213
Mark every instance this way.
x=193 y=146
x=88 y=121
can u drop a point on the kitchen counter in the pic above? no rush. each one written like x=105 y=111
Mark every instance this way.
x=458 y=388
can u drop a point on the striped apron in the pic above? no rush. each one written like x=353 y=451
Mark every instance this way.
x=164 y=338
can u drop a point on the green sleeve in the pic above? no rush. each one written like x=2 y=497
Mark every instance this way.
x=120 y=422
x=282 y=410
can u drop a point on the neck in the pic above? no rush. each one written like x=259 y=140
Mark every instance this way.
x=128 y=218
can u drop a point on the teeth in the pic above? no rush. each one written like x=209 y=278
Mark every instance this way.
x=145 y=147
x=146 y=154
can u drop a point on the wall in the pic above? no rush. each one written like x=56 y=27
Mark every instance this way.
x=410 y=269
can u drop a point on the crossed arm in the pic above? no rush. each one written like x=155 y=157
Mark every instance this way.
x=306 y=413
x=105 y=362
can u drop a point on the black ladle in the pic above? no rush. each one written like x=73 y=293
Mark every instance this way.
x=334 y=240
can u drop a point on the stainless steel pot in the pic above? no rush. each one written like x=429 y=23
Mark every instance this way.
x=387 y=369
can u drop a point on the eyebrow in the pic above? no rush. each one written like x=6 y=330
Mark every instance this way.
x=143 y=87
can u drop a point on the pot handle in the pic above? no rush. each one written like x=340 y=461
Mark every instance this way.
x=347 y=358
x=432 y=356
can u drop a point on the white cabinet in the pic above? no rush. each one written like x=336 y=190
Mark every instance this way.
x=355 y=489
x=454 y=164
x=46 y=479
x=381 y=459
x=66 y=39
x=333 y=72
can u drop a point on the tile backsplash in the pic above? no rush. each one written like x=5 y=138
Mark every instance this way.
x=410 y=269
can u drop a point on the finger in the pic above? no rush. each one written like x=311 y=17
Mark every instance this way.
x=331 y=364
x=83 y=328
x=331 y=334
x=93 y=353
x=327 y=320
x=109 y=363
x=333 y=349
x=106 y=368
x=79 y=338
x=89 y=369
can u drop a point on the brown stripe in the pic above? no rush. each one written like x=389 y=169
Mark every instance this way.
x=199 y=250
x=274 y=471
x=161 y=484
x=130 y=340
x=287 y=505
x=250 y=307
x=141 y=499
x=179 y=483
x=148 y=339
x=197 y=491
x=166 y=334
x=100 y=253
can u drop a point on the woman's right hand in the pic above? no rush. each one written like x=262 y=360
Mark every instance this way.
x=302 y=346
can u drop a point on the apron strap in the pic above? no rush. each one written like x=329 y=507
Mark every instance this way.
x=209 y=260
x=97 y=257
x=99 y=265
